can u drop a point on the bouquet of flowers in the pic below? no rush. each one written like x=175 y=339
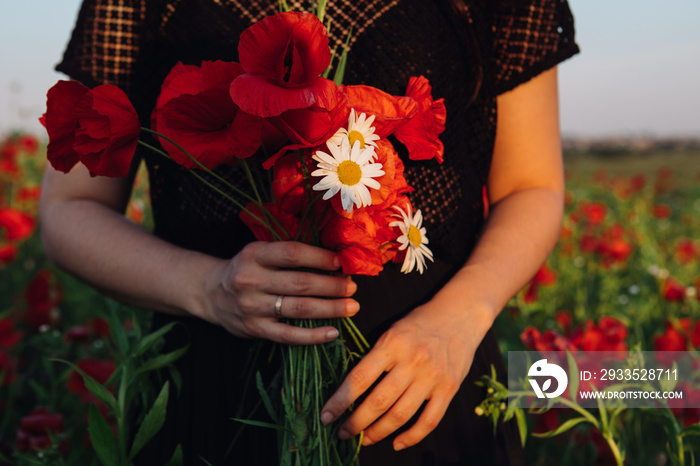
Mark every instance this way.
x=337 y=181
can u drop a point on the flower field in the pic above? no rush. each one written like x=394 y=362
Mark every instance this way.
x=624 y=276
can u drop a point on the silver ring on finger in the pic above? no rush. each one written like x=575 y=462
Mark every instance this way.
x=278 y=306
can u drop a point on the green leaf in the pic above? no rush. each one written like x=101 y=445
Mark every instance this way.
x=562 y=428
x=153 y=421
x=206 y=462
x=693 y=429
x=103 y=441
x=267 y=425
x=152 y=338
x=117 y=329
x=176 y=459
x=573 y=376
x=93 y=386
x=265 y=398
x=340 y=70
x=162 y=360
x=522 y=425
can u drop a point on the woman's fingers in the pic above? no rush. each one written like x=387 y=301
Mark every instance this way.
x=380 y=403
x=294 y=307
x=289 y=254
x=360 y=378
x=291 y=335
x=428 y=420
x=295 y=283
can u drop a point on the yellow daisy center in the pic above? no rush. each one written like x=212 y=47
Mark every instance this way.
x=349 y=173
x=414 y=236
x=356 y=136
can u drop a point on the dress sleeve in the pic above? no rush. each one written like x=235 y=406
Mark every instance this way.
x=530 y=37
x=105 y=43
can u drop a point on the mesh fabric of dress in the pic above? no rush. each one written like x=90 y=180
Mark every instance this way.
x=135 y=43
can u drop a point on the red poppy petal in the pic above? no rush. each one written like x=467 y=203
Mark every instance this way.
x=263 y=97
x=390 y=111
x=61 y=123
x=290 y=47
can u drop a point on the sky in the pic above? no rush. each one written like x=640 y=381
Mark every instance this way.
x=637 y=75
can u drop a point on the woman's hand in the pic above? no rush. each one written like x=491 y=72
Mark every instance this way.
x=426 y=356
x=243 y=292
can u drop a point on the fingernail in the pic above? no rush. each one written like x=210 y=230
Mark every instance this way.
x=399 y=446
x=353 y=308
x=336 y=262
x=332 y=334
x=352 y=287
x=344 y=434
x=326 y=417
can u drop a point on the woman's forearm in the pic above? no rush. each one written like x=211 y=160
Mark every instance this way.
x=520 y=232
x=101 y=247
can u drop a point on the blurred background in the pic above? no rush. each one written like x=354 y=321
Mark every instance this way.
x=624 y=275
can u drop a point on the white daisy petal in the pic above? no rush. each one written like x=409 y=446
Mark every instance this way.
x=413 y=240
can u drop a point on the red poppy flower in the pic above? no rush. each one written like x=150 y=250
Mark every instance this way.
x=195 y=110
x=311 y=126
x=28 y=143
x=673 y=290
x=7 y=367
x=41 y=294
x=97 y=127
x=686 y=251
x=661 y=211
x=16 y=225
x=564 y=320
x=283 y=57
x=288 y=184
x=359 y=240
x=34 y=430
x=390 y=112
x=98 y=327
x=77 y=334
x=551 y=340
x=594 y=212
x=608 y=335
x=9 y=336
x=420 y=134
x=673 y=339
x=8 y=253
x=543 y=277
x=98 y=369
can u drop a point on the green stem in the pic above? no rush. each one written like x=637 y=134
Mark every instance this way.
x=199 y=164
x=121 y=415
x=615 y=451
x=224 y=194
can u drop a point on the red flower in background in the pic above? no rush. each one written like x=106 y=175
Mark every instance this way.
x=97 y=127
x=41 y=295
x=99 y=370
x=34 y=430
x=609 y=334
x=543 y=277
x=9 y=336
x=673 y=290
x=593 y=212
x=7 y=367
x=8 y=253
x=16 y=225
x=195 y=110
x=678 y=336
x=550 y=340
x=283 y=57
x=686 y=251
x=661 y=211
x=420 y=134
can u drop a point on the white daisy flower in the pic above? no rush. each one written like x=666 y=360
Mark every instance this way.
x=348 y=170
x=359 y=129
x=413 y=240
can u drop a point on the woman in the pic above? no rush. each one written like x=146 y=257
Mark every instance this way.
x=495 y=65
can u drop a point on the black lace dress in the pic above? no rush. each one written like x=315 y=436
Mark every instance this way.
x=469 y=61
